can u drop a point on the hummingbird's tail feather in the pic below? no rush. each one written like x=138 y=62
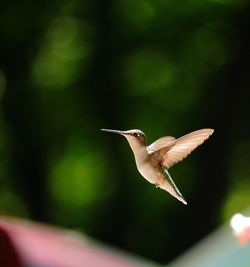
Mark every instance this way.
x=170 y=186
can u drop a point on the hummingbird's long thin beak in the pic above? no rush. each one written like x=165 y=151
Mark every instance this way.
x=113 y=131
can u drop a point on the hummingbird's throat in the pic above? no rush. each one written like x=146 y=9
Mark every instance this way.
x=139 y=150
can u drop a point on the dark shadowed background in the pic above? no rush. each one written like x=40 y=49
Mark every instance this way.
x=69 y=68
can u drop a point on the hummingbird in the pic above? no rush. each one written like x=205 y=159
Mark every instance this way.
x=154 y=161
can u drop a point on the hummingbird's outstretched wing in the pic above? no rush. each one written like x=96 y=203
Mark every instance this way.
x=171 y=153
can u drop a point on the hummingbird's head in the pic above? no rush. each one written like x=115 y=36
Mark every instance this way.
x=136 y=138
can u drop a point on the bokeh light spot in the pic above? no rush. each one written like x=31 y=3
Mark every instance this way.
x=239 y=199
x=149 y=71
x=209 y=48
x=137 y=13
x=77 y=177
x=58 y=62
x=11 y=204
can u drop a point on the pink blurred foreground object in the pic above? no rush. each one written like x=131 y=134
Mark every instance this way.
x=24 y=243
x=245 y=236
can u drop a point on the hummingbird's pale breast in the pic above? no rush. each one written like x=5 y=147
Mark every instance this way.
x=150 y=172
x=155 y=174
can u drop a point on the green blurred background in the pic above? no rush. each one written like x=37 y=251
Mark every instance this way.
x=167 y=67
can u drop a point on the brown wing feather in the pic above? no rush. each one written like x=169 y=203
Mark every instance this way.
x=182 y=147
x=161 y=143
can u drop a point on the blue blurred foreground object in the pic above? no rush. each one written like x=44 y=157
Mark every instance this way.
x=220 y=248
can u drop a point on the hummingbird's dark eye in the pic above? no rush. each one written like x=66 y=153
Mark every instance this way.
x=135 y=134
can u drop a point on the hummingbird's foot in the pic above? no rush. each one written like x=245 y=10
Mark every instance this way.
x=157 y=185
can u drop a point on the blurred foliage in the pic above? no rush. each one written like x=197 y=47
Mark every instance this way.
x=69 y=68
